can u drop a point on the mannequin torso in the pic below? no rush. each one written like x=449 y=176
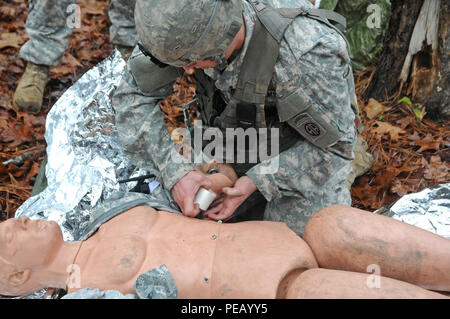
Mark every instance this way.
x=196 y=253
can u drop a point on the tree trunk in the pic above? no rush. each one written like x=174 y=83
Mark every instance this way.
x=438 y=104
x=415 y=60
x=385 y=82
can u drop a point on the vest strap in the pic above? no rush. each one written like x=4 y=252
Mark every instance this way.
x=258 y=67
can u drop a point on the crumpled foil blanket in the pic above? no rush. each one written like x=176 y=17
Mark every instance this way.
x=85 y=157
x=428 y=209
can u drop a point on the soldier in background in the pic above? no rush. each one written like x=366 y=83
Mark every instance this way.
x=49 y=31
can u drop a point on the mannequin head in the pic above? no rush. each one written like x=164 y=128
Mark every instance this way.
x=29 y=247
x=26 y=247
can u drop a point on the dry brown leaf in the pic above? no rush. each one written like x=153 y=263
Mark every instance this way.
x=10 y=40
x=400 y=188
x=69 y=65
x=414 y=137
x=437 y=170
x=426 y=143
x=406 y=121
x=94 y=8
x=16 y=135
x=32 y=172
x=22 y=132
x=429 y=143
x=14 y=182
x=8 y=11
x=3 y=169
x=374 y=108
x=386 y=128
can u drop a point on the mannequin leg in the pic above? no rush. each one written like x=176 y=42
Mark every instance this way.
x=346 y=238
x=337 y=284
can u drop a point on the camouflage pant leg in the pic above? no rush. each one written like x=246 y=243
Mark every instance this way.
x=122 y=30
x=296 y=211
x=48 y=30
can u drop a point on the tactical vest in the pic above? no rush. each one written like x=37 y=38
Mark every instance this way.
x=254 y=102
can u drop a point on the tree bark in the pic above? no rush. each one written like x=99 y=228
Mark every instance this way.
x=415 y=60
x=438 y=104
x=385 y=82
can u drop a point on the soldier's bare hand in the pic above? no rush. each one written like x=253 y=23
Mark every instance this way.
x=185 y=190
x=234 y=197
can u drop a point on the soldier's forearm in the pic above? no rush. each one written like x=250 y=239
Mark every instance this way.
x=144 y=134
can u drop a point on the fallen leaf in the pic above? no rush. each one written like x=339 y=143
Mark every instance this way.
x=94 y=8
x=3 y=169
x=437 y=170
x=16 y=135
x=10 y=40
x=404 y=122
x=405 y=100
x=32 y=172
x=426 y=143
x=386 y=128
x=6 y=11
x=400 y=188
x=69 y=65
x=374 y=108
x=418 y=113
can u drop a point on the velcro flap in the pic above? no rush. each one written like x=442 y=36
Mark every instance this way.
x=313 y=125
x=291 y=105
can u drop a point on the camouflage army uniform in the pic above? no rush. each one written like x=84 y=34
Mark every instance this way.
x=313 y=62
x=49 y=33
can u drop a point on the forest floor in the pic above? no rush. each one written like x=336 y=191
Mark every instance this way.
x=411 y=153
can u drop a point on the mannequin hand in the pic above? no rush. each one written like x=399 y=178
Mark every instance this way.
x=185 y=190
x=225 y=206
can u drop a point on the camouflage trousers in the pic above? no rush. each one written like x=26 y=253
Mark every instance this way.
x=49 y=28
x=296 y=211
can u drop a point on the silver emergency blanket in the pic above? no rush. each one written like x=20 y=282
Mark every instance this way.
x=428 y=209
x=85 y=156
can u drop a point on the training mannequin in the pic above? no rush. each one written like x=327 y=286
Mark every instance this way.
x=255 y=259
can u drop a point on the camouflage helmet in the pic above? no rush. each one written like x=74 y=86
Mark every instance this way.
x=182 y=32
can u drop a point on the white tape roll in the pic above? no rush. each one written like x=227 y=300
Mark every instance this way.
x=204 y=198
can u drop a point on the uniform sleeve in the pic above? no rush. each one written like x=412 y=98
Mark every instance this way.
x=319 y=77
x=143 y=132
x=300 y=170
